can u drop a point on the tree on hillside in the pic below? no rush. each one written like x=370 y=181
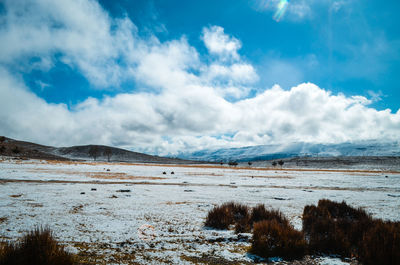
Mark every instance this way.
x=281 y=163
x=274 y=164
x=2 y=139
x=108 y=153
x=16 y=150
x=2 y=149
x=94 y=152
x=249 y=163
x=233 y=163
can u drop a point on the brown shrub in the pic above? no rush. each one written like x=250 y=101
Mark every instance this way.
x=241 y=216
x=260 y=213
x=230 y=213
x=334 y=228
x=38 y=247
x=274 y=239
x=15 y=150
x=381 y=244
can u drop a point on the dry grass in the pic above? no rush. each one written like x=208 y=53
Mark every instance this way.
x=381 y=244
x=274 y=239
x=260 y=213
x=15 y=195
x=36 y=247
x=229 y=213
x=241 y=217
x=335 y=228
x=177 y=203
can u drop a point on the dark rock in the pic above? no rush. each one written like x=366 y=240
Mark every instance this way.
x=123 y=190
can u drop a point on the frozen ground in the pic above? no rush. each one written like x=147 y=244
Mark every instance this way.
x=158 y=218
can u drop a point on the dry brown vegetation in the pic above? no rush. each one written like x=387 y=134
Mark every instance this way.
x=334 y=228
x=38 y=247
x=328 y=228
x=274 y=239
x=337 y=228
x=230 y=213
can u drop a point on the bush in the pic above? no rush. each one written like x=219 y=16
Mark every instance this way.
x=335 y=228
x=260 y=213
x=241 y=216
x=274 y=239
x=16 y=150
x=230 y=213
x=38 y=247
x=381 y=244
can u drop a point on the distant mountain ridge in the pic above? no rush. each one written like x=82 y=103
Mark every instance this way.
x=15 y=148
x=299 y=149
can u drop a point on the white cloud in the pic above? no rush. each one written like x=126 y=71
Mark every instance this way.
x=170 y=122
x=183 y=103
x=81 y=32
x=221 y=44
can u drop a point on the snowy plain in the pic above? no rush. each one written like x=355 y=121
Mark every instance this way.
x=119 y=213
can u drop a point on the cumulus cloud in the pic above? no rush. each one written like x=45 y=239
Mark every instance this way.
x=221 y=44
x=80 y=32
x=184 y=104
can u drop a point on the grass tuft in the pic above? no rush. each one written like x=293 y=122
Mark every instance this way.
x=335 y=228
x=38 y=247
x=272 y=238
x=380 y=244
x=227 y=214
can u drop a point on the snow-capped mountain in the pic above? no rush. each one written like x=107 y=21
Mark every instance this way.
x=275 y=151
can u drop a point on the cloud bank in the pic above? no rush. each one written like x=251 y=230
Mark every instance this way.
x=188 y=101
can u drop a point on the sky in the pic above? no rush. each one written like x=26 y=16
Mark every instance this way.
x=166 y=76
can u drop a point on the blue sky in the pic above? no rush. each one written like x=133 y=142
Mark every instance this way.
x=173 y=76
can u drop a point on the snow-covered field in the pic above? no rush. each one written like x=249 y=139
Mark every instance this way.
x=133 y=213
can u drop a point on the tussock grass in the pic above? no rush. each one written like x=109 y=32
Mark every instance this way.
x=241 y=217
x=37 y=247
x=328 y=228
x=337 y=228
x=272 y=238
x=260 y=213
x=227 y=214
x=381 y=244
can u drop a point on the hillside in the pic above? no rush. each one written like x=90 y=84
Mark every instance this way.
x=22 y=149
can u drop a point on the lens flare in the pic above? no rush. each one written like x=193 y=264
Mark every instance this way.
x=281 y=9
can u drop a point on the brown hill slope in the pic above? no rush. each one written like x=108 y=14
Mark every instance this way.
x=22 y=149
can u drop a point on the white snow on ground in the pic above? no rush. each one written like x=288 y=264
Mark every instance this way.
x=173 y=207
